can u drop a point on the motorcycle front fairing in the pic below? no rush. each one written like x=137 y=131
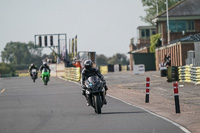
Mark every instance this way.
x=94 y=85
x=95 y=93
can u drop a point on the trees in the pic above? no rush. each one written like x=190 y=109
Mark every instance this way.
x=118 y=59
x=155 y=42
x=21 y=54
x=6 y=69
x=101 y=60
x=15 y=53
x=152 y=6
x=115 y=59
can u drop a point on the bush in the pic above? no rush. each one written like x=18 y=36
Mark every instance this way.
x=155 y=42
x=7 y=69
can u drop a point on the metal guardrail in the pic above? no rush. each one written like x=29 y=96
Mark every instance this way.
x=8 y=75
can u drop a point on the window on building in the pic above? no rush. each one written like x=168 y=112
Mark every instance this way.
x=143 y=33
x=153 y=32
x=181 y=25
x=190 y=26
x=147 y=33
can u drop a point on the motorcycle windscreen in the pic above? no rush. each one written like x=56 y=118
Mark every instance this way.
x=94 y=80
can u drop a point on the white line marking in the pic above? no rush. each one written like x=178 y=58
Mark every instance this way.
x=3 y=90
x=174 y=123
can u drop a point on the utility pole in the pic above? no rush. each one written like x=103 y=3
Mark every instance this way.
x=157 y=7
x=167 y=22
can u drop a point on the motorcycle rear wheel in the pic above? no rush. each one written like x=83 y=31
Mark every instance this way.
x=33 y=77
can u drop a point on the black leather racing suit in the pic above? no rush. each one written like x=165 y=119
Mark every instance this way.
x=91 y=72
x=30 y=69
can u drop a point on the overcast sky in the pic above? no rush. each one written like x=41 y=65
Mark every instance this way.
x=104 y=26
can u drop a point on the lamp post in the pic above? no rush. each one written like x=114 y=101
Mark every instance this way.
x=167 y=22
x=157 y=7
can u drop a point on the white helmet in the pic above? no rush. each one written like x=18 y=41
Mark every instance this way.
x=44 y=63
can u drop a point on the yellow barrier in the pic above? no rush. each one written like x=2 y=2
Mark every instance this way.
x=189 y=74
x=24 y=74
x=124 y=68
x=104 y=69
x=72 y=73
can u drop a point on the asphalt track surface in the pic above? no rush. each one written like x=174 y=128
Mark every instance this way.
x=59 y=107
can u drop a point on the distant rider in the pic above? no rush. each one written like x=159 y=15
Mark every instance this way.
x=33 y=66
x=44 y=66
x=87 y=72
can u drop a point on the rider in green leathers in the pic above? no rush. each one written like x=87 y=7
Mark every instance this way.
x=45 y=66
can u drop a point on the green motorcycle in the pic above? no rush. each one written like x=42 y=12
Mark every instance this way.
x=45 y=76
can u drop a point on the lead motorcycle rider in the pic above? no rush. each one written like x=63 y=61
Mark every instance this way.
x=87 y=72
x=44 y=66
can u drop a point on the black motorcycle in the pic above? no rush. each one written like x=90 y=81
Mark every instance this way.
x=34 y=74
x=95 y=93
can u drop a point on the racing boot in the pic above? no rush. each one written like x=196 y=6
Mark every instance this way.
x=83 y=92
x=106 y=87
x=105 y=101
x=88 y=102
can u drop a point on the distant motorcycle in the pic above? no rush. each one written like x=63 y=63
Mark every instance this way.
x=34 y=74
x=95 y=93
x=45 y=76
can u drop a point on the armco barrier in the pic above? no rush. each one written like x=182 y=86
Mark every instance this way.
x=8 y=75
x=104 y=69
x=72 y=73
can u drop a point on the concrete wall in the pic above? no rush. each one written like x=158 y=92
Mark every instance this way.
x=57 y=69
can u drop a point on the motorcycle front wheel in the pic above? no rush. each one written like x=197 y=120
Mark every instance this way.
x=98 y=103
x=45 y=80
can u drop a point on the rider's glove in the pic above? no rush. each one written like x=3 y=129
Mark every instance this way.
x=84 y=86
x=104 y=82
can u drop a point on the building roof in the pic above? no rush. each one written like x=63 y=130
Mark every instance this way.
x=146 y=27
x=190 y=38
x=184 y=8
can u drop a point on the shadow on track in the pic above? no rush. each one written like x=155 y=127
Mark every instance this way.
x=123 y=112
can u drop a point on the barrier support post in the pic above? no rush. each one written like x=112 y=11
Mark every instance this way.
x=147 y=89
x=176 y=98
